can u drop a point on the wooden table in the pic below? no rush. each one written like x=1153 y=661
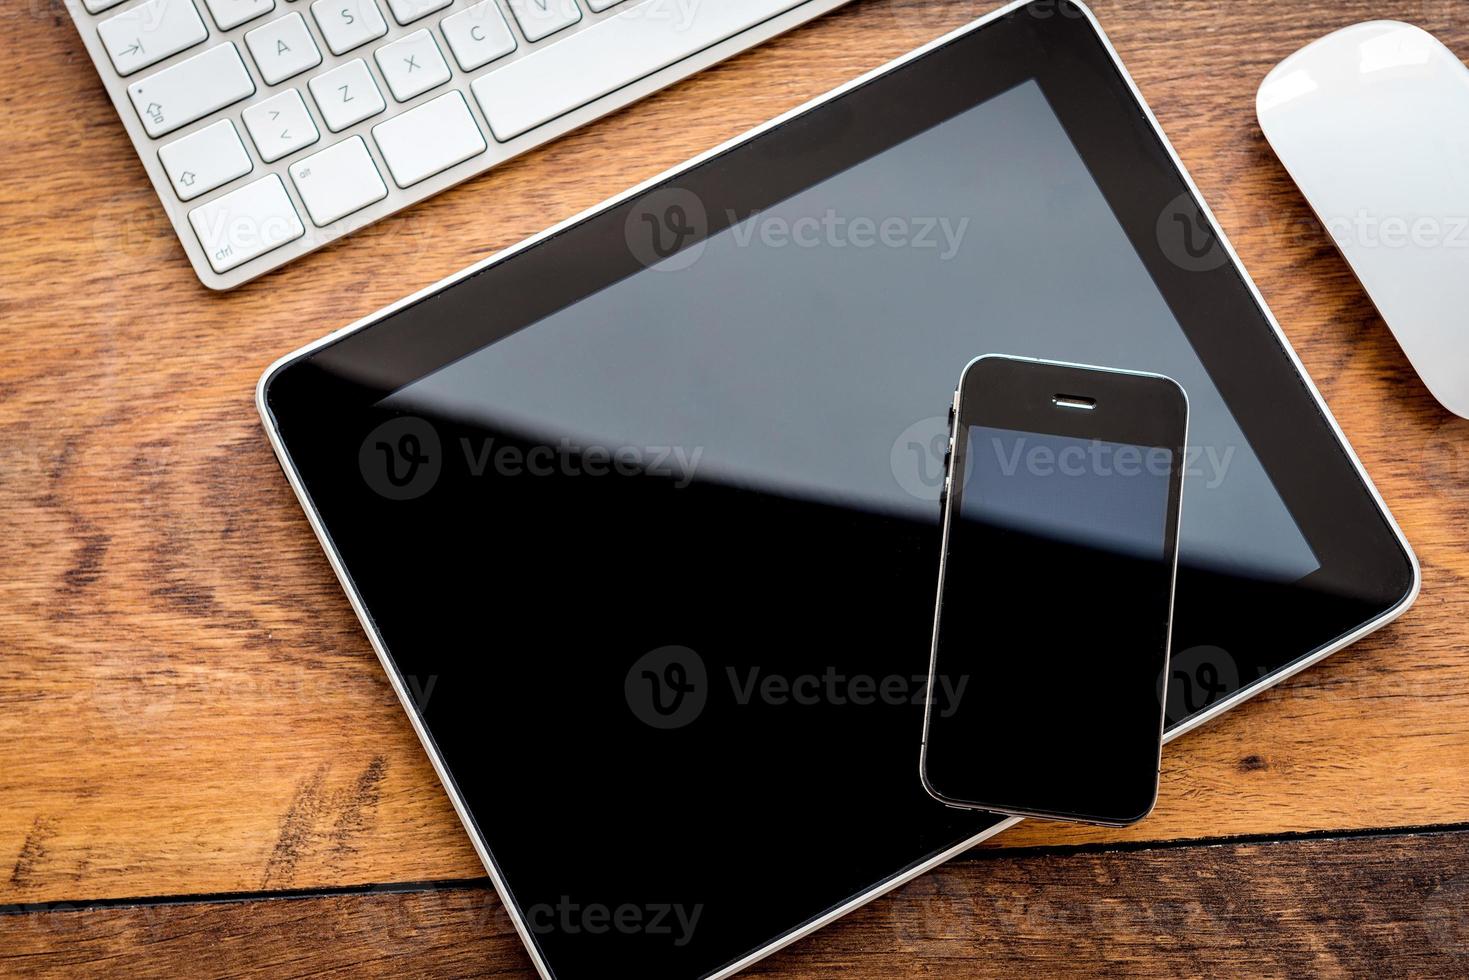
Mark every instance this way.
x=193 y=728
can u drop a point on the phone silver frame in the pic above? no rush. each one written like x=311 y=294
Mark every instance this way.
x=805 y=929
x=938 y=601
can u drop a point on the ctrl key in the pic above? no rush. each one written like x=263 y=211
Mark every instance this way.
x=246 y=223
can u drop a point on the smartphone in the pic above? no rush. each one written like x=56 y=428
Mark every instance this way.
x=1047 y=678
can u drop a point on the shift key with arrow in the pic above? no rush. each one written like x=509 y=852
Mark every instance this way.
x=280 y=125
x=204 y=160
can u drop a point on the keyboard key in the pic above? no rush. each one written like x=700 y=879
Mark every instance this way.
x=542 y=18
x=412 y=65
x=97 y=6
x=202 y=161
x=348 y=24
x=603 y=58
x=246 y=223
x=407 y=11
x=191 y=89
x=600 y=5
x=280 y=125
x=150 y=32
x=283 y=48
x=232 y=13
x=346 y=95
x=338 y=180
x=428 y=139
x=478 y=35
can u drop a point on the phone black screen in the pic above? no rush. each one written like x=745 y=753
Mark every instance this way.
x=1056 y=598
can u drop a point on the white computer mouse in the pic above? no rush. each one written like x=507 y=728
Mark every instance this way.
x=1372 y=122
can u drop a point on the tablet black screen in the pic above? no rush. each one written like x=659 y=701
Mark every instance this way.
x=651 y=508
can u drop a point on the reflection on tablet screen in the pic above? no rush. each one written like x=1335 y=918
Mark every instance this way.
x=810 y=351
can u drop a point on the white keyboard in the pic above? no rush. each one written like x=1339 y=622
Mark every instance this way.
x=272 y=127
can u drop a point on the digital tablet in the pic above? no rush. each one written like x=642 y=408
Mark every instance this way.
x=641 y=516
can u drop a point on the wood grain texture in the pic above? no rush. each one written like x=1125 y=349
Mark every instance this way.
x=187 y=704
x=1391 y=906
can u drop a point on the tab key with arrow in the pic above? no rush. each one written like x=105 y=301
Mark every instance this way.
x=170 y=26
